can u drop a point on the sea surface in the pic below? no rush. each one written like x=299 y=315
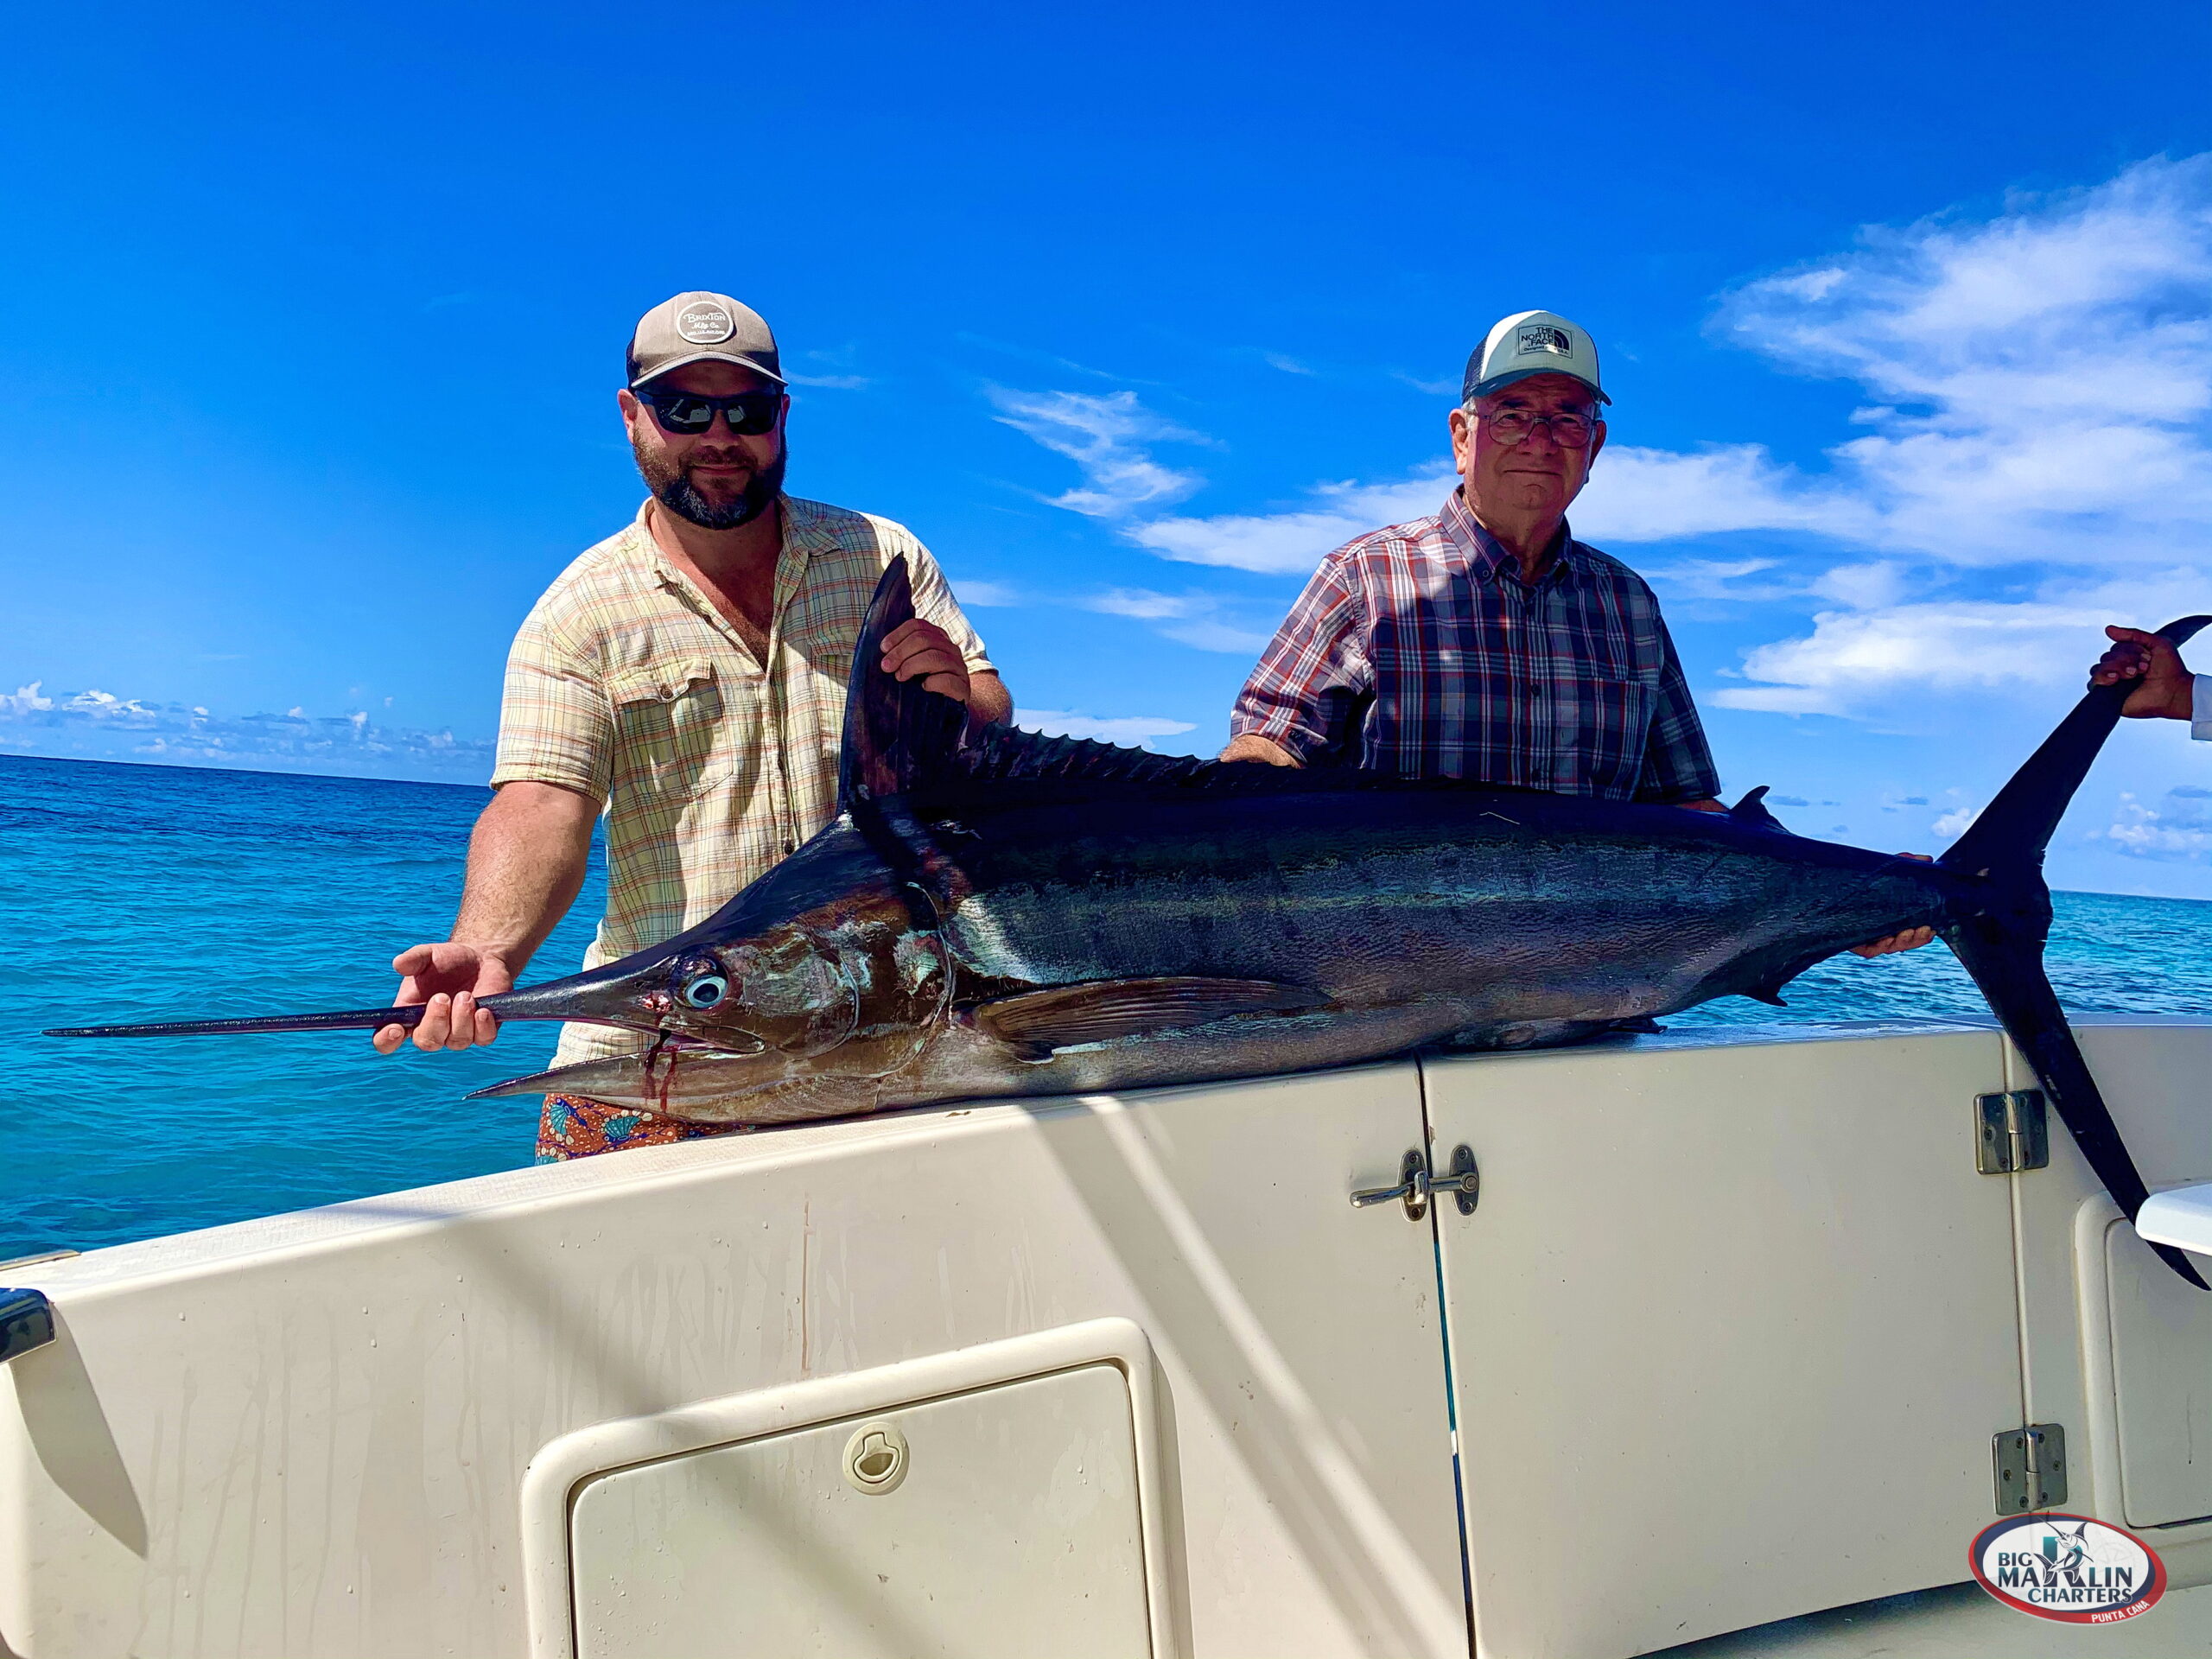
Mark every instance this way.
x=133 y=893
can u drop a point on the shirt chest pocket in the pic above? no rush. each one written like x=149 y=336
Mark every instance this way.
x=671 y=740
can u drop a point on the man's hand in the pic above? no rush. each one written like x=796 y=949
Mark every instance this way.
x=2168 y=691
x=923 y=650
x=449 y=977
x=1911 y=939
x=1253 y=747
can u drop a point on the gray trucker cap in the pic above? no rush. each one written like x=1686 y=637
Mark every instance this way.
x=700 y=327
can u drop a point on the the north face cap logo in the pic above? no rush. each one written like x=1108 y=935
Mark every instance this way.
x=704 y=323
x=1543 y=337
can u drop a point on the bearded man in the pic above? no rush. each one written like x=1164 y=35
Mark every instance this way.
x=687 y=678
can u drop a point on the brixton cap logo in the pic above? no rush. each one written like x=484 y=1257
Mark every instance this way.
x=1530 y=343
x=700 y=327
x=705 y=322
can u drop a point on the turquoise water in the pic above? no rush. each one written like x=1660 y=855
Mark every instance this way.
x=145 y=892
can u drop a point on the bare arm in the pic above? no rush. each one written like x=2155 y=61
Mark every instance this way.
x=526 y=862
x=987 y=696
x=1253 y=747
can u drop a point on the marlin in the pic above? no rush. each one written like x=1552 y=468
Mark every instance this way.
x=995 y=914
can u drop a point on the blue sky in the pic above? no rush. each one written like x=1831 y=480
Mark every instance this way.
x=310 y=322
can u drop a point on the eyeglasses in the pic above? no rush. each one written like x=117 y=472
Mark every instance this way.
x=1512 y=426
x=689 y=413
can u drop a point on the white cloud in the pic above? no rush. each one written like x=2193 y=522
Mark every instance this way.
x=829 y=382
x=1104 y=434
x=2044 y=373
x=1281 y=360
x=1211 y=633
x=1140 y=602
x=1655 y=495
x=1716 y=579
x=1953 y=823
x=1851 y=655
x=1133 y=731
x=2178 y=833
x=99 y=724
x=983 y=595
x=1193 y=620
x=1433 y=388
x=1857 y=661
x=1293 y=542
x=1864 y=587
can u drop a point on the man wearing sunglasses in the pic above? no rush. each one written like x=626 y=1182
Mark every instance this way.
x=687 y=676
x=1487 y=643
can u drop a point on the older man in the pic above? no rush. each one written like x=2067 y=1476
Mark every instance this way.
x=686 y=676
x=1487 y=643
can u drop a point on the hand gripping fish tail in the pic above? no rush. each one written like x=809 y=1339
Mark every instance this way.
x=994 y=913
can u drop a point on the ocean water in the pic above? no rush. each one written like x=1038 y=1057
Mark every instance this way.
x=142 y=892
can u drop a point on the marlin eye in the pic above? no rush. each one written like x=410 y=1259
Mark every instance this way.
x=705 y=990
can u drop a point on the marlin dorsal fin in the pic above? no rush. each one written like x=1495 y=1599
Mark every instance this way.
x=897 y=733
x=900 y=738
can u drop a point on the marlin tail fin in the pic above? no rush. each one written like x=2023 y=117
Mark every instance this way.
x=2001 y=944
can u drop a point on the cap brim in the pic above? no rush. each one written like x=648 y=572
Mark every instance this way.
x=1499 y=381
x=741 y=361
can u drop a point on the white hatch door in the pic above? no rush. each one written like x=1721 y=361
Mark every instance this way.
x=1003 y=1521
x=1731 y=1329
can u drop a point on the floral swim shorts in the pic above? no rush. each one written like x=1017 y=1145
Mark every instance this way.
x=572 y=1126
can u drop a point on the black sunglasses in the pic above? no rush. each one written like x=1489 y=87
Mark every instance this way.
x=689 y=413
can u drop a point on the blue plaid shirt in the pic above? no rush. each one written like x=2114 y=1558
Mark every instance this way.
x=1419 y=649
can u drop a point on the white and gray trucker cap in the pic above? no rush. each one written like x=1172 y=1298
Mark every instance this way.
x=700 y=327
x=1532 y=342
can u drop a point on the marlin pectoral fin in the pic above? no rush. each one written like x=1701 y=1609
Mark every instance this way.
x=1061 y=1016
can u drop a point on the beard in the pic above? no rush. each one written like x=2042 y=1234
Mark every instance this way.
x=672 y=487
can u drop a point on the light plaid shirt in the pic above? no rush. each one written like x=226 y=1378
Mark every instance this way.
x=625 y=684
x=1418 y=650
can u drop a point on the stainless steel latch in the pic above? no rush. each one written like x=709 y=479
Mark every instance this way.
x=1415 y=1185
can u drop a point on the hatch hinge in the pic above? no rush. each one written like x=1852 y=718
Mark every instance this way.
x=2010 y=1134
x=1416 y=1184
x=2031 y=1468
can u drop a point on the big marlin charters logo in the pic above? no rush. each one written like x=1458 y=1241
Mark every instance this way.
x=2069 y=1567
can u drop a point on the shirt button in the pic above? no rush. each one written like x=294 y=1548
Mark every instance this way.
x=667 y=694
x=789 y=846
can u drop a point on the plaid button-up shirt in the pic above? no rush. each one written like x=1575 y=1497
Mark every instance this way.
x=625 y=685
x=1419 y=649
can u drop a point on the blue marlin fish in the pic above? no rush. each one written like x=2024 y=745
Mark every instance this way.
x=996 y=913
